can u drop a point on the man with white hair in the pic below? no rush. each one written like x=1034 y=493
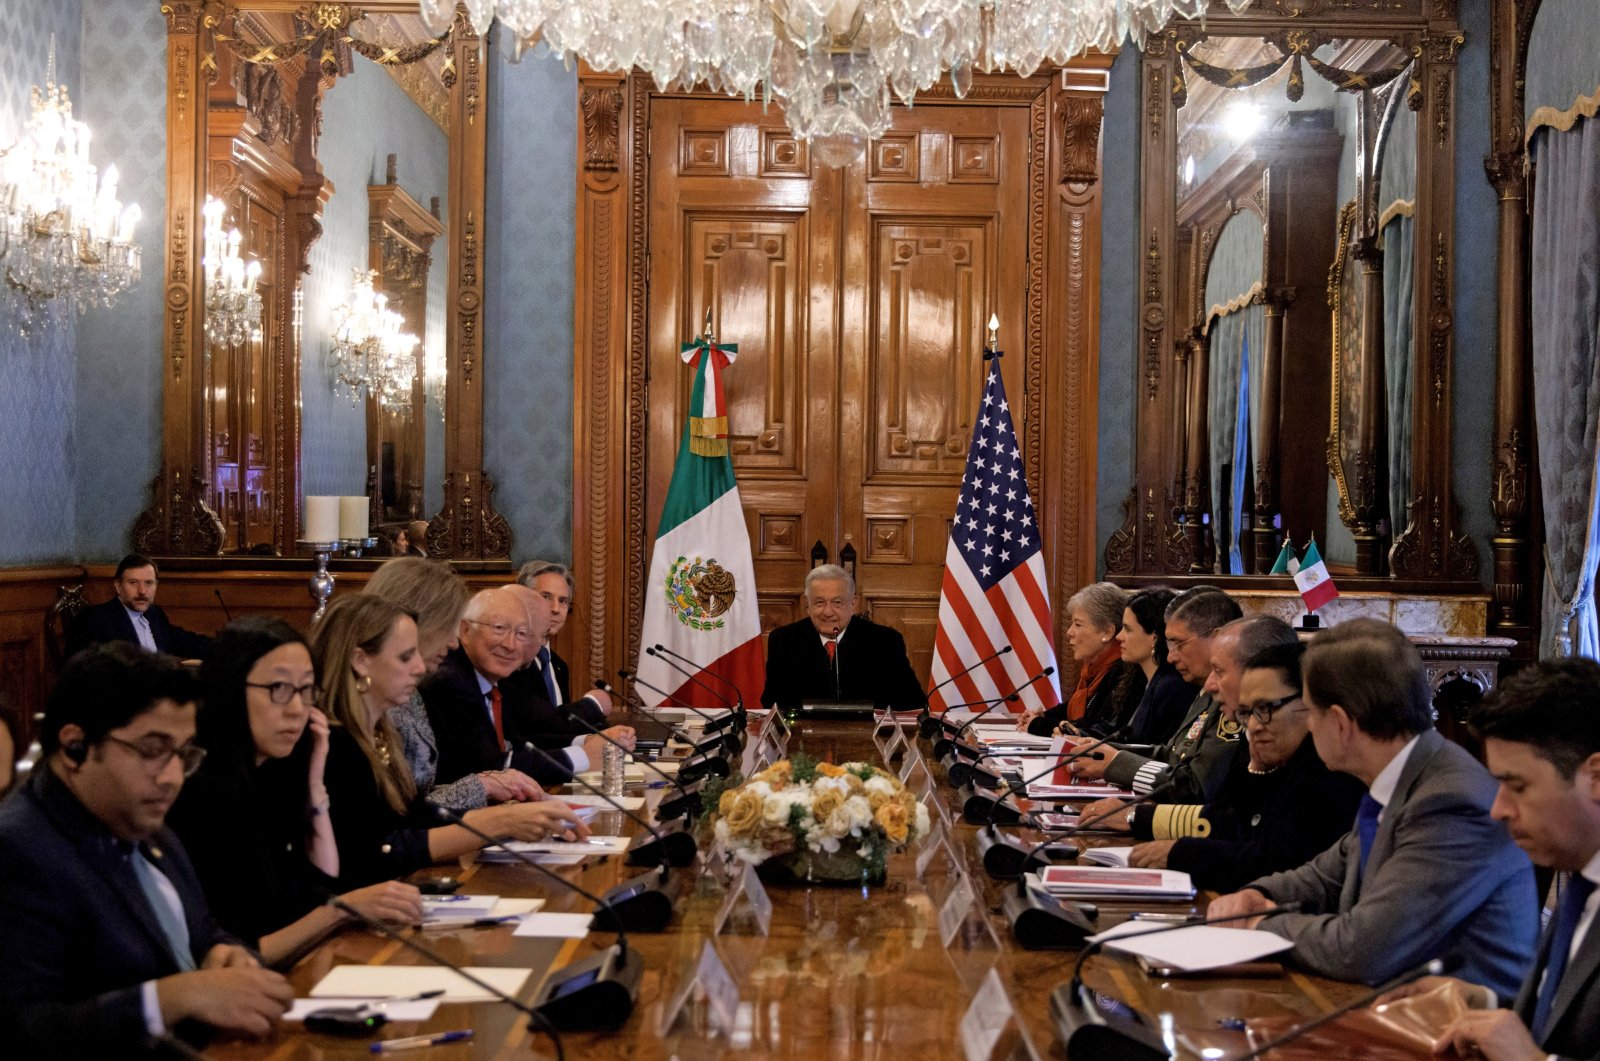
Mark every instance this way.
x=836 y=655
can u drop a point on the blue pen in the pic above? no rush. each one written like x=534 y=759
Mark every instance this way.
x=418 y=1042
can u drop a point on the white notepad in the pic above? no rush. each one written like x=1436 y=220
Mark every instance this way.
x=1194 y=948
x=388 y=981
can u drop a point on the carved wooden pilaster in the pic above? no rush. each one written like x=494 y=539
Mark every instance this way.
x=1368 y=471
x=1267 y=457
x=1197 y=449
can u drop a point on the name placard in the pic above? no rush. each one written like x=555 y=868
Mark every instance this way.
x=715 y=986
x=987 y=1020
x=746 y=893
x=957 y=906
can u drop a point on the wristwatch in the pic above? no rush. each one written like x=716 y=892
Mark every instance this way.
x=1129 y=818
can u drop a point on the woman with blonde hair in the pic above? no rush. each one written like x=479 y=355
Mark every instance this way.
x=437 y=597
x=366 y=652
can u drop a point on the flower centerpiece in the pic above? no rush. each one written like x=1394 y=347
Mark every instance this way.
x=811 y=821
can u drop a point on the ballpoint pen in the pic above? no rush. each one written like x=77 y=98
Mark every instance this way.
x=421 y=996
x=418 y=1042
x=469 y=922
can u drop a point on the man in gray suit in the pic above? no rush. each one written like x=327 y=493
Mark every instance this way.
x=1541 y=735
x=1426 y=872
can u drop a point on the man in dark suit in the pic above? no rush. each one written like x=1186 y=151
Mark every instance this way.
x=132 y=615
x=553 y=582
x=106 y=940
x=834 y=654
x=1541 y=737
x=1426 y=872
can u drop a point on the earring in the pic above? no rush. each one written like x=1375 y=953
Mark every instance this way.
x=363 y=683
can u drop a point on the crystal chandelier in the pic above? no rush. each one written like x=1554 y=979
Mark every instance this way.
x=834 y=65
x=65 y=239
x=233 y=308
x=371 y=352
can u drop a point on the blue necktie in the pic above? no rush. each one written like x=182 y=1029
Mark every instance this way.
x=1367 y=826
x=549 y=673
x=171 y=921
x=1579 y=888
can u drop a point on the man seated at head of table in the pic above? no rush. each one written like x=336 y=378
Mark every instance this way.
x=365 y=650
x=834 y=654
x=1426 y=872
x=1195 y=760
x=1279 y=807
x=1541 y=736
x=1222 y=750
x=106 y=940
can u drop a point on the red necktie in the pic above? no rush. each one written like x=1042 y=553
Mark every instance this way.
x=833 y=649
x=499 y=721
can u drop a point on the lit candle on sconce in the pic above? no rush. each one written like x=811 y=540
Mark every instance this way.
x=994 y=332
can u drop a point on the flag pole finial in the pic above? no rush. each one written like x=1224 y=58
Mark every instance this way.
x=706 y=329
x=994 y=331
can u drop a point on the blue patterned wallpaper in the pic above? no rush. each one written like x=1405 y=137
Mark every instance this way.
x=529 y=252
x=119 y=352
x=38 y=402
x=366 y=117
x=1119 y=286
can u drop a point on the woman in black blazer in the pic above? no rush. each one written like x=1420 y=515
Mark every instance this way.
x=255 y=819
x=1166 y=697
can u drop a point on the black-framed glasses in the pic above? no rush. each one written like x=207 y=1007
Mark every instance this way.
x=1263 y=710
x=157 y=752
x=281 y=693
x=501 y=631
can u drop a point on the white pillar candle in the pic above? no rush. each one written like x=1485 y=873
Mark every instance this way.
x=353 y=517
x=322 y=519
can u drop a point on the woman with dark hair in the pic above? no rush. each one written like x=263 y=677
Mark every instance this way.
x=255 y=818
x=366 y=650
x=1167 y=696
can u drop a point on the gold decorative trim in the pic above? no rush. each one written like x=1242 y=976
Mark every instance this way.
x=1232 y=305
x=1341 y=260
x=1398 y=208
x=1562 y=121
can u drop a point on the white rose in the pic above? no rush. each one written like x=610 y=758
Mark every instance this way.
x=923 y=825
x=860 y=812
x=882 y=784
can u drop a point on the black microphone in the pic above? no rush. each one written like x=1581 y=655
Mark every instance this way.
x=637 y=706
x=536 y=1020
x=943 y=744
x=1096 y=1026
x=710 y=725
x=734 y=718
x=226 y=614
x=1043 y=922
x=1432 y=967
x=1004 y=856
x=738 y=694
x=928 y=725
x=1085 y=824
x=687 y=772
x=674 y=848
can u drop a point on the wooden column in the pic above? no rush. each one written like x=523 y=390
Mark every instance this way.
x=1197 y=449
x=1267 y=456
x=1367 y=473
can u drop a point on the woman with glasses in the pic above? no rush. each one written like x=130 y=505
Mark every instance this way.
x=367 y=653
x=255 y=817
x=437 y=597
x=1277 y=810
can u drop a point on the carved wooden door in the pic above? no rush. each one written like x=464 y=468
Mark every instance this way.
x=857 y=298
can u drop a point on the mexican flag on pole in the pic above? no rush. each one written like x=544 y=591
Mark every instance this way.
x=1285 y=564
x=1315 y=584
x=700 y=596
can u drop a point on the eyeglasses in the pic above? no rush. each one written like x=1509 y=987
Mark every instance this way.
x=1173 y=646
x=157 y=752
x=500 y=631
x=282 y=692
x=1262 y=710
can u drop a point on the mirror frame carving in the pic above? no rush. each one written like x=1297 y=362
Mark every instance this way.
x=1152 y=541
x=177 y=521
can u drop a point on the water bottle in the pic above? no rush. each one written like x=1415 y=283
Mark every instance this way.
x=611 y=770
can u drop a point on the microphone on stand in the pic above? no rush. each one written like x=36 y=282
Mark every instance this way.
x=944 y=744
x=1003 y=855
x=226 y=614
x=670 y=848
x=679 y=805
x=734 y=719
x=738 y=694
x=730 y=741
x=928 y=722
x=1096 y=1027
x=1041 y=921
x=536 y=1020
x=1432 y=967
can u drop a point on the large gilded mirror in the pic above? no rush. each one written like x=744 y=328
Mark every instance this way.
x=1289 y=159
x=346 y=144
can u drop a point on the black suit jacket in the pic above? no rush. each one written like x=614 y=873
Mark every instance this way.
x=110 y=622
x=459 y=714
x=78 y=937
x=872 y=665
x=1575 y=1012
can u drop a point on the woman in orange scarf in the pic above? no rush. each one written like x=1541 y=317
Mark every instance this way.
x=1097 y=701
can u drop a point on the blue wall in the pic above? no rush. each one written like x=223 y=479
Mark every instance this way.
x=529 y=253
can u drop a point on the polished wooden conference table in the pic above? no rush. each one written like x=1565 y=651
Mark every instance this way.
x=845 y=972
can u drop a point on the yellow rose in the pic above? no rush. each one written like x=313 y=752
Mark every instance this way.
x=892 y=816
x=829 y=770
x=777 y=839
x=725 y=803
x=745 y=814
x=907 y=800
x=825 y=803
x=877 y=800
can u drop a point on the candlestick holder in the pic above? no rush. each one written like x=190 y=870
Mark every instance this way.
x=321 y=584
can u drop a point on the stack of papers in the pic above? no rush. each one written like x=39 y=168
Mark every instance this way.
x=1087 y=790
x=395 y=981
x=596 y=803
x=1194 y=948
x=1107 y=856
x=574 y=849
x=1100 y=882
x=445 y=913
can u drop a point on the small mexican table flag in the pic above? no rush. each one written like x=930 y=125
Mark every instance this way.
x=1315 y=584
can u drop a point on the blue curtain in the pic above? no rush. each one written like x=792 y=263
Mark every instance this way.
x=1241 y=460
x=1236 y=341
x=1565 y=289
x=1398 y=358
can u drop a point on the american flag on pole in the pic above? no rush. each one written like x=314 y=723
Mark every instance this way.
x=994 y=590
